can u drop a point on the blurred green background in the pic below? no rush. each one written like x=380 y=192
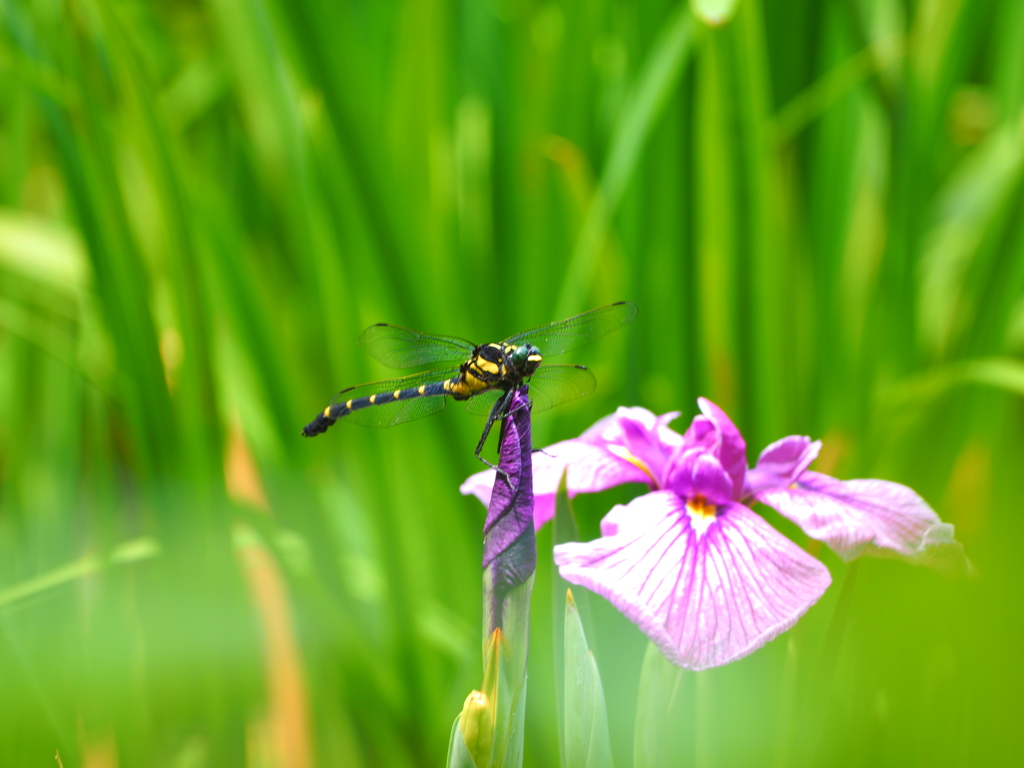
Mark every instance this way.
x=817 y=208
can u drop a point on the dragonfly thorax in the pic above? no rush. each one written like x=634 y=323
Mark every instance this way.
x=525 y=359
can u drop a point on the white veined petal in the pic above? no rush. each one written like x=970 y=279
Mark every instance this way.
x=704 y=600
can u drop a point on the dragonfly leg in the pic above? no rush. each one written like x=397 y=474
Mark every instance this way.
x=497 y=412
x=527 y=404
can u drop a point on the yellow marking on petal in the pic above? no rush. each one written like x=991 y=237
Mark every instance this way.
x=625 y=455
x=702 y=514
x=372 y=398
x=422 y=389
x=397 y=393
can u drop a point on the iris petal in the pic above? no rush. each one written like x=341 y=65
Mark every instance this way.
x=732 y=452
x=781 y=463
x=649 y=445
x=697 y=473
x=610 y=428
x=711 y=481
x=876 y=517
x=703 y=599
x=701 y=435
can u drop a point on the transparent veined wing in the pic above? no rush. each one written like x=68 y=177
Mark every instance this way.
x=481 y=405
x=393 y=412
x=561 y=336
x=553 y=385
x=398 y=347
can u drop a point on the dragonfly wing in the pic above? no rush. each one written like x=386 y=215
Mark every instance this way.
x=563 y=335
x=553 y=385
x=391 y=411
x=481 y=405
x=398 y=347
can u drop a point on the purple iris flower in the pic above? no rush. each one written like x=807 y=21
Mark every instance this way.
x=707 y=579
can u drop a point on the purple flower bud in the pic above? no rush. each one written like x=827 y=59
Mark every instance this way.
x=510 y=546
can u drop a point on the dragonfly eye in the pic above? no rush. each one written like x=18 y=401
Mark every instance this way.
x=526 y=358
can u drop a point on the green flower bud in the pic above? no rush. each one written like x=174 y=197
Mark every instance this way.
x=477 y=726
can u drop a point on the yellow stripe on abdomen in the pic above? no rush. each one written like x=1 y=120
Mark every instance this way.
x=468 y=385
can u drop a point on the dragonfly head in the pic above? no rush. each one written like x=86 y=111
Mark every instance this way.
x=525 y=359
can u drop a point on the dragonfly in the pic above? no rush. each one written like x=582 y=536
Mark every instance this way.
x=486 y=376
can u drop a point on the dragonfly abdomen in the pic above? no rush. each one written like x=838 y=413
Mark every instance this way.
x=336 y=411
